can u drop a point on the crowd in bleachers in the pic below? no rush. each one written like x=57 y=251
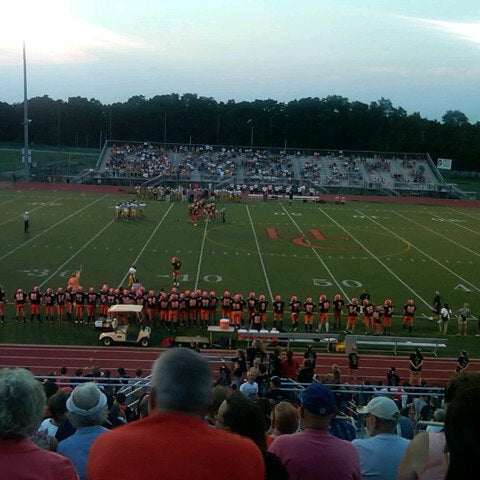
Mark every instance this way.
x=255 y=395
x=139 y=160
x=318 y=169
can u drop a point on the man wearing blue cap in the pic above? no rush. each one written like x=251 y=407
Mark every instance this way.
x=313 y=453
x=380 y=454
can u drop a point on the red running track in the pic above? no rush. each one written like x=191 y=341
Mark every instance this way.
x=43 y=359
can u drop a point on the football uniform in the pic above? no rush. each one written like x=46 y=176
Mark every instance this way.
x=368 y=309
x=20 y=299
x=49 y=302
x=35 y=299
x=353 y=309
x=387 y=317
x=92 y=297
x=60 y=300
x=278 y=307
x=338 y=304
x=408 y=314
x=308 y=309
x=323 y=309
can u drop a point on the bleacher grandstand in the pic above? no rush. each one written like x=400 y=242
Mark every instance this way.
x=239 y=169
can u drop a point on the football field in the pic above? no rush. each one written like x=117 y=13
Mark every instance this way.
x=394 y=250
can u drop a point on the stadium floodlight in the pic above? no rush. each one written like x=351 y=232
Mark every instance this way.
x=26 y=120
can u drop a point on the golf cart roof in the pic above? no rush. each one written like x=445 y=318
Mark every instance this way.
x=126 y=308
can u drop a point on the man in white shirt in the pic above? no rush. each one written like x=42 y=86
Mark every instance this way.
x=250 y=387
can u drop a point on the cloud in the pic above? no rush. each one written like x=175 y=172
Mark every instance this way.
x=53 y=35
x=466 y=30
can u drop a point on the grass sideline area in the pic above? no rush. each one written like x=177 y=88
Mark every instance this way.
x=395 y=250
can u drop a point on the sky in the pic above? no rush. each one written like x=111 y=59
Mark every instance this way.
x=423 y=55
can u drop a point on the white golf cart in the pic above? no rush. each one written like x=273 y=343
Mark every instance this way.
x=128 y=330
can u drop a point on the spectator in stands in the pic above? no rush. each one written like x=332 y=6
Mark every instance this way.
x=240 y=415
x=174 y=441
x=218 y=395
x=142 y=406
x=21 y=408
x=305 y=375
x=284 y=419
x=381 y=453
x=275 y=391
x=87 y=411
x=438 y=416
x=250 y=387
x=290 y=366
x=425 y=456
x=341 y=427
x=314 y=454
x=57 y=406
x=462 y=433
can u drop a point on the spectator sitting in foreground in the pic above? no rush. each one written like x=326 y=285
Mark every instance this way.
x=314 y=454
x=174 y=441
x=21 y=408
x=381 y=453
x=240 y=415
x=87 y=411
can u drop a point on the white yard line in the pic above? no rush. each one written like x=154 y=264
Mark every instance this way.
x=314 y=250
x=27 y=242
x=444 y=237
x=76 y=253
x=469 y=215
x=260 y=254
x=455 y=224
x=140 y=253
x=13 y=199
x=386 y=267
x=19 y=217
x=425 y=254
x=200 y=258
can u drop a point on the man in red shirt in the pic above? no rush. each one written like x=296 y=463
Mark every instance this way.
x=180 y=443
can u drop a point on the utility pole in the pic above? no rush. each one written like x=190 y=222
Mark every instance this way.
x=26 y=157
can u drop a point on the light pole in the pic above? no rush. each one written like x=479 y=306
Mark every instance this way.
x=252 y=127
x=26 y=154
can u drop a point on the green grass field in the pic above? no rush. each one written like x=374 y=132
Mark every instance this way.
x=73 y=161
x=397 y=251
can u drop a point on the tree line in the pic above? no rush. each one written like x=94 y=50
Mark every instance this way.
x=332 y=123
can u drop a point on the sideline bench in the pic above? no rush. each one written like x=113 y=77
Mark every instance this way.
x=386 y=343
x=229 y=330
x=326 y=339
x=193 y=341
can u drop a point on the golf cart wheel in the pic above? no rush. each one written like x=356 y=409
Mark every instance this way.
x=144 y=342
x=107 y=341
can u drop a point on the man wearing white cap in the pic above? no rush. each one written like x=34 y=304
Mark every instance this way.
x=87 y=411
x=380 y=454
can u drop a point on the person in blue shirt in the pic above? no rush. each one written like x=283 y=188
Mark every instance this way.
x=380 y=454
x=87 y=411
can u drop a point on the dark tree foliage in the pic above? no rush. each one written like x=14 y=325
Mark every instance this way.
x=333 y=122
